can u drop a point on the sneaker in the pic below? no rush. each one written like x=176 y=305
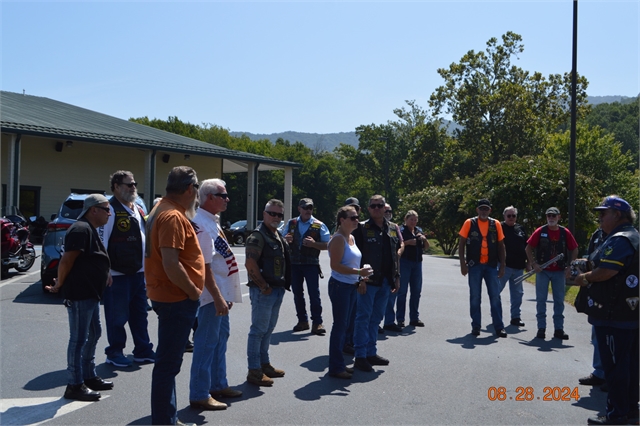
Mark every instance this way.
x=560 y=334
x=272 y=372
x=119 y=361
x=257 y=377
x=393 y=327
x=301 y=326
x=98 y=384
x=81 y=393
x=417 y=323
x=541 y=333
x=517 y=322
x=318 y=329
x=179 y=423
x=475 y=331
x=591 y=380
x=208 y=404
x=362 y=364
x=377 y=360
x=501 y=333
x=145 y=359
x=226 y=393
x=604 y=420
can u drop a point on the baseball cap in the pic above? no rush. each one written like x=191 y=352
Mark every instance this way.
x=552 y=210
x=305 y=202
x=615 y=203
x=91 y=201
x=484 y=202
x=352 y=201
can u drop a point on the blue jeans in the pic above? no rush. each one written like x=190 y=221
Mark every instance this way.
x=84 y=332
x=126 y=301
x=369 y=312
x=308 y=273
x=343 y=297
x=597 y=362
x=264 y=316
x=477 y=273
x=174 y=325
x=542 y=291
x=516 y=291
x=410 y=279
x=209 y=363
x=619 y=353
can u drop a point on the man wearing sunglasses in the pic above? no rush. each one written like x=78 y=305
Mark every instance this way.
x=379 y=242
x=306 y=236
x=125 y=301
x=482 y=239
x=548 y=241
x=268 y=266
x=515 y=241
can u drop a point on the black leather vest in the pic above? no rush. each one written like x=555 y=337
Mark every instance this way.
x=125 y=242
x=304 y=255
x=474 y=243
x=546 y=246
x=275 y=260
x=370 y=244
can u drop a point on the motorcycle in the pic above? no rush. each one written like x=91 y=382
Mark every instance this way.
x=17 y=251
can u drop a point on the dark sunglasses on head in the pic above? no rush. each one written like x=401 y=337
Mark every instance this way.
x=106 y=209
x=511 y=215
x=376 y=206
x=551 y=215
x=130 y=184
x=307 y=207
x=274 y=214
x=221 y=195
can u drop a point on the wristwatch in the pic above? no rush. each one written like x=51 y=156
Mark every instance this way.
x=584 y=279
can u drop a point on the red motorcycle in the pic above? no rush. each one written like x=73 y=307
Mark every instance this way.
x=17 y=251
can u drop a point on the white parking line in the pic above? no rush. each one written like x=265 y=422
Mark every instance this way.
x=18 y=277
x=36 y=411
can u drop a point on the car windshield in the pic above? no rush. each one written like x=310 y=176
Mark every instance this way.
x=239 y=224
x=71 y=209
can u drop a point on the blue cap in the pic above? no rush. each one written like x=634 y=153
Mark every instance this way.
x=615 y=203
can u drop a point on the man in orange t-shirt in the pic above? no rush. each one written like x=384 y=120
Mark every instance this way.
x=482 y=239
x=175 y=270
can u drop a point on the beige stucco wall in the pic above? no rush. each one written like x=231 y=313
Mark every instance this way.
x=88 y=166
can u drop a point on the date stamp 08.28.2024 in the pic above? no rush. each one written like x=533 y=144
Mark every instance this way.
x=527 y=393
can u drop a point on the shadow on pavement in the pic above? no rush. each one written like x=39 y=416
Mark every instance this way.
x=289 y=336
x=34 y=294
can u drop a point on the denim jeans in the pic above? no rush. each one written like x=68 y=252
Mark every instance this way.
x=308 y=273
x=542 y=291
x=343 y=297
x=477 y=273
x=410 y=279
x=369 y=312
x=598 y=371
x=264 y=316
x=84 y=332
x=174 y=325
x=209 y=363
x=126 y=301
x=516 y=291
x=619 y=354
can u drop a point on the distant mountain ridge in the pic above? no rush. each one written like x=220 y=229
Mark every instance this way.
x=329 y=141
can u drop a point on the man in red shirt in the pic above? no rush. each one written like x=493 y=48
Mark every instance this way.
x=548 y=241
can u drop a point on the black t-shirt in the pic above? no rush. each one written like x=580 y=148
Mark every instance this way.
x=413 y=253
x=88 y=276
x=515 y=241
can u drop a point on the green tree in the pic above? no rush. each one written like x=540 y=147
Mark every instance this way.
x=620 y=120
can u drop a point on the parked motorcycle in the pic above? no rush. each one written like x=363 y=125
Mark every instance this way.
x=17 y=251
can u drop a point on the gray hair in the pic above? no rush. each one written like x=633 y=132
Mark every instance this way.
x=210 y=186
x=274 y=202
x=506 y=209
x=180 y=177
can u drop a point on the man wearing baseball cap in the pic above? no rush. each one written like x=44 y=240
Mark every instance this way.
x=612 y=306
x=306 y=236
x=548 y=241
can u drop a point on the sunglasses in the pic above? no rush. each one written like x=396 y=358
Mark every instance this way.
x=106 y=209
x=511 y=216
x=353 y=218
x=551 y=215
x=196 y=185
x=376 y=206
x=274 y=214
x=221 y=195
x=484 y=208
x=130 y=185
x=307 y=207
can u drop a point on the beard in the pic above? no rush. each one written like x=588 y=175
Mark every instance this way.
x=127 y=196
x=191 y=211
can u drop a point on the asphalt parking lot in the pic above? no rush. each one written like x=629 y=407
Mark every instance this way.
x=439 y=374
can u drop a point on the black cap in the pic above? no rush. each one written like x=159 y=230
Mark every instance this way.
x=484 y=202
x=352 y=201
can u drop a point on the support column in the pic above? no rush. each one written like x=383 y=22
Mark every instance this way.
x=252 y=194
x=150 y=178
x=13 y=183
x=288 y=192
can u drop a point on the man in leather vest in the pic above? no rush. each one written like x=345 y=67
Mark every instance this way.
x=482 y=239
x=548 y=241
x=306 y=236
x=126 y=300
x=379 y=242
x=515 y=241
x=268 y=266
x=612 y=289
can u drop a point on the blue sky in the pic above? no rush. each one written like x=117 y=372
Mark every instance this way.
x=266 y=67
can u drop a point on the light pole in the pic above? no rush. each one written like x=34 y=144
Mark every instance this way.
x=572 y=154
